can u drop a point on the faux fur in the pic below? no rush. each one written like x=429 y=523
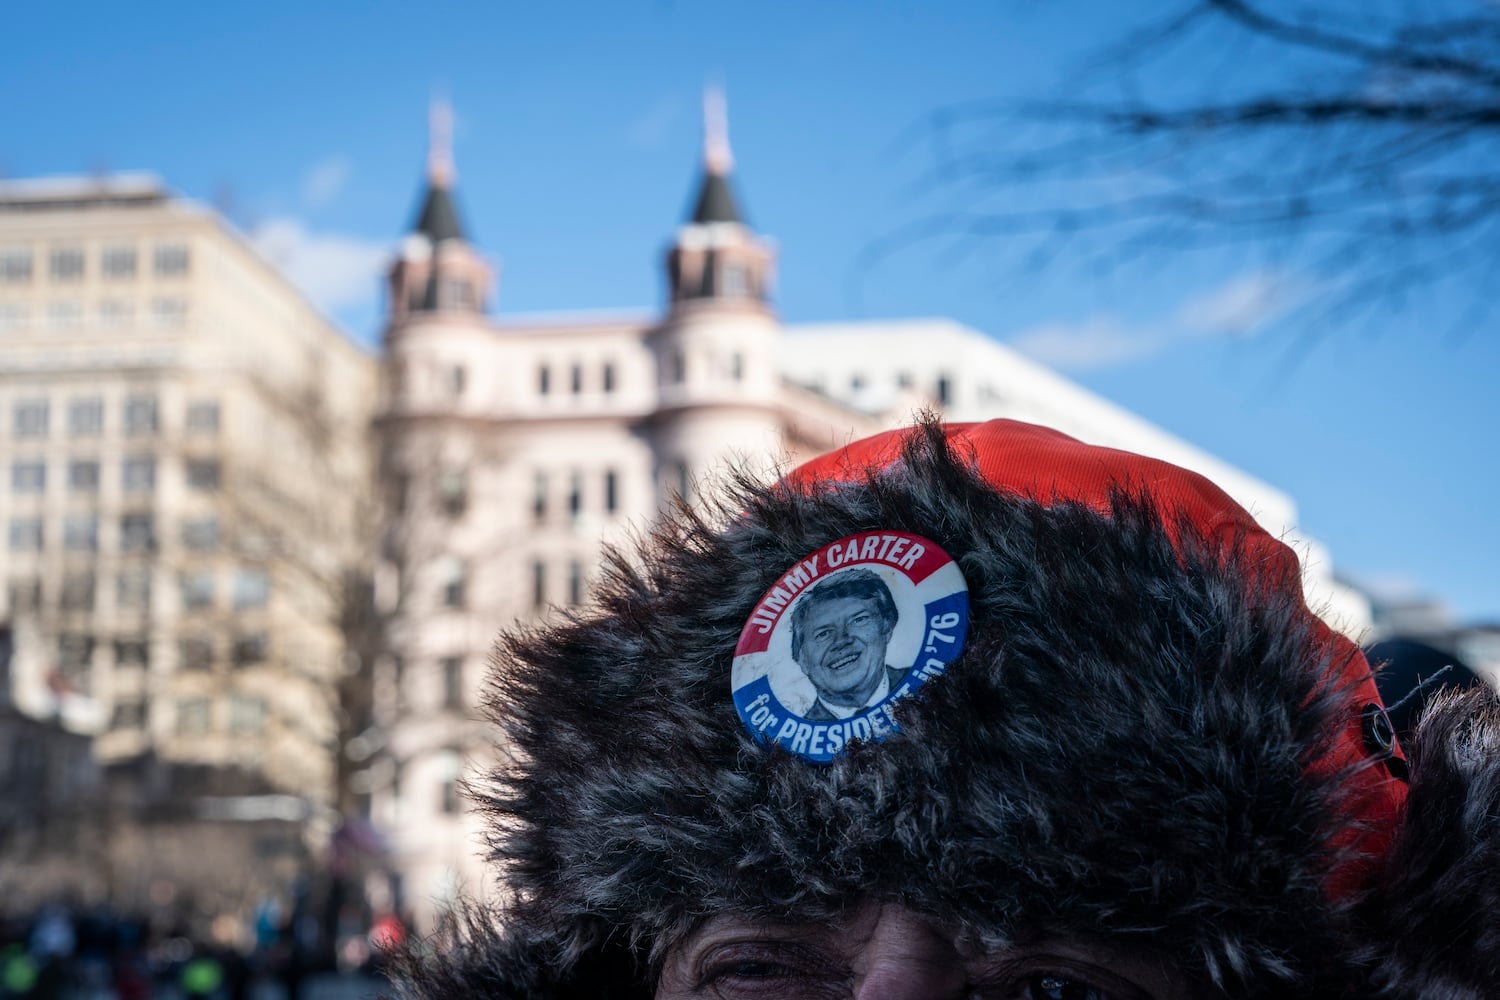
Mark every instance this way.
x=1433 y=923
x=1122 y=751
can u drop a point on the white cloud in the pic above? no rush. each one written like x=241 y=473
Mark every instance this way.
x=1099 y=343
x=1241 y=306
x=340 y=273
x=324 y=180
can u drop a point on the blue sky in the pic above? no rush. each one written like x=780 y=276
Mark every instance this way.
x=577 y=147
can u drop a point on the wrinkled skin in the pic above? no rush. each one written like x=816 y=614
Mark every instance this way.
x=889 y=952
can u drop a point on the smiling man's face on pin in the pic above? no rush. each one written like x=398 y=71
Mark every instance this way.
x=843 y=648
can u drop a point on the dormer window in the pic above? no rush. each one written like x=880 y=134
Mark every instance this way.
x=456 y=293
x=735 y=284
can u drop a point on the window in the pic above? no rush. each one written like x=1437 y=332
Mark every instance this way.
x=28 y=475
x=676 y=368
x=77 y=592
x=75 y=655
x=197 y=590
x=575 y=582
x=455 y=293
x=737 y=366
x=539 y=496
x=458 y=379
x=856 y=382
x=25 y=594
x=67 y=263
x=26 y=534
x=453 y=489
x=193 y=716
x=15 y=266
x=83 y=475
x=575 y=494
x=203 y=474
x=400 y=491
x=117 y=262
x=201 y=534
x=65 y=314
x=905 y=380
x=247 y=714
x=611 y=491
x=128 y=715
x=735 y=285
x=133 y=588
x=453 y=682
x=680 y=480
x=116 y=312
x=454 y=580
x=171 y=260
x=132 y=652
x=85 y=416
x=544 y=380
x=538 y=585
x=140 y=415
x=14 y=316
x=449 y=765
x=609 y=377
x=137 y=533
x=138 y=474
x=29 y=419
x=249 y=649
x=195 y=652
x=944 y=391
x=203 y=417
x=252 y=588
x=575 y=379
x=168 y=312
x=81 y=533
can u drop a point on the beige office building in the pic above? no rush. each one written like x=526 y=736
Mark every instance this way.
x=183 y=445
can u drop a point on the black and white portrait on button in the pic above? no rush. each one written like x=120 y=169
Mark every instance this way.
x=844 y=634
x=840 y=631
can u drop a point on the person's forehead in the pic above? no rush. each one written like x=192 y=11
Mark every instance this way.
x=843 y=604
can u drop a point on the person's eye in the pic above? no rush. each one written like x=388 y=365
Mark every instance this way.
x=1054 y=986
x=1060 y=984
x=764 y=974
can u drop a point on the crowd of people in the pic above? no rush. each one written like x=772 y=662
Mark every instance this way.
x=63 y=952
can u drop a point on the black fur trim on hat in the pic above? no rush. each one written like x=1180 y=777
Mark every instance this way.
x=1434 y=920
x=1121 y=752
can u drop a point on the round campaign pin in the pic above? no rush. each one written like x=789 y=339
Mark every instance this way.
x=843 y=635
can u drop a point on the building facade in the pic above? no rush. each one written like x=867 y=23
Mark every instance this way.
x=183 y=441
x=200 y=473
x=514 y=451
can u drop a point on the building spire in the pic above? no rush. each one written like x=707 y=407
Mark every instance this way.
x=715 y=202
x=717 y=158
x=439 y=143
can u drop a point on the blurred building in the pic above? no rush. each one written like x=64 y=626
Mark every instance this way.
x=191 y=511
x=183 y=445
x=513 y=451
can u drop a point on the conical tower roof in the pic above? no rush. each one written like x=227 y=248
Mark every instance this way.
x=716 y=201
x=438 y=219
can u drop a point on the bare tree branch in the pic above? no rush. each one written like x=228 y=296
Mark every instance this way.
x=1360 y=148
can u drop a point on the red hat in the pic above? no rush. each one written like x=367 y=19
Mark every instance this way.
x=1045 y=465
